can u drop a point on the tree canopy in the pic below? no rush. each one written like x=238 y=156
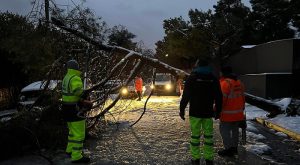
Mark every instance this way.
x=219 y=33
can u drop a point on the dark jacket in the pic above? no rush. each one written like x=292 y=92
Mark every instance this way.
x=202 y=90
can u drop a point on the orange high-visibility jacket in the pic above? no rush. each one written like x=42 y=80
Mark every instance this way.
x=139 y=84
x=233 y=100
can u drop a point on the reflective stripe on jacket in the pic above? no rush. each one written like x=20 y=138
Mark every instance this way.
x=138 y=84
x=233 y=100
x=72 y=87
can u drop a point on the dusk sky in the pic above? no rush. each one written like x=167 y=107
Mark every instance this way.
x=144 y=18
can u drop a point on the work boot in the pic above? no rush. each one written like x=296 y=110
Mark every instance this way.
x=196 y=162
x=209 y=162
x=82 y=160
x=226 y=152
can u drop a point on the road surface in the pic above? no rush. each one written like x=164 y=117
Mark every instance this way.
x=160 y=137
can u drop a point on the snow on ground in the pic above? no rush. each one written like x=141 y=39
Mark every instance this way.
x=250 y=127
x=259 y=148
x=288 y=122
x=252 y=112
x=284 y=103
x=160 y=137
x=255 y=136
x=281 y=134
x=255 y=147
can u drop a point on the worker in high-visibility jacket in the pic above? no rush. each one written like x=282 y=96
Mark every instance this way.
x=139 y=86
x=232 y=114
x=202 y=91
x=72 y=89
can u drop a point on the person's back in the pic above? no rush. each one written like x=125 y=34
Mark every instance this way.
x=139 y=86
x=72 y=89
x=201 y=90
x=233 y=99
x=232 y=115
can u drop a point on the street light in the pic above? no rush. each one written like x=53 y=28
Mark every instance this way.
x=167 y=55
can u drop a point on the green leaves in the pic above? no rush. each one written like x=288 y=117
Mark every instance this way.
x=220 y=33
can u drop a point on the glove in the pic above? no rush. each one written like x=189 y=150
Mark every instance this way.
x=243 y=124
x=181 y=114
x=216 y=115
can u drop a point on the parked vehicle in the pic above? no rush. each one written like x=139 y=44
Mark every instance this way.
x=164 y=84
x=33 y=91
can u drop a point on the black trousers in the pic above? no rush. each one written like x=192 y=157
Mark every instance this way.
x=139 y=93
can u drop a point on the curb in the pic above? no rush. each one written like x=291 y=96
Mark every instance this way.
x=276 y=127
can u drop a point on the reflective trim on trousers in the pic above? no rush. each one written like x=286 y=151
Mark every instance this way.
x=76 y=138
x=75 y=141
x=201 y=126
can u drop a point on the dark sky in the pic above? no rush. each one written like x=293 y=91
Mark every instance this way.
x=141 y=17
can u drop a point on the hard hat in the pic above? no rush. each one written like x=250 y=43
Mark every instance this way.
x=73 y=64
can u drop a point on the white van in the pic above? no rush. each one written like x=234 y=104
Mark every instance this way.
x=31 y=92
x=164 y=84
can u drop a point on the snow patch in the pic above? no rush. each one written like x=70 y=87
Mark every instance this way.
x=255 y=136
x=253 y=112
x=284 y=103
x=250 y=127
x=281 y=134
x=259 y=148
x=288 y=122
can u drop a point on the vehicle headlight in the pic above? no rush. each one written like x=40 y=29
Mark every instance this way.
x=124 y=91
x=152 y=86
x=168 y=86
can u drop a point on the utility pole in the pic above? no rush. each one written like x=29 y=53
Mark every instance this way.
x=47 y=12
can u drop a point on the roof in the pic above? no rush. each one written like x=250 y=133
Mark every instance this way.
x=39 y=85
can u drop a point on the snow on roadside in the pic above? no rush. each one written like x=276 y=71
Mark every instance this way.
x=284 y=103
x=255 y=136
x=250 y=127
x=288 y=122
x=258 y=148
x=281 y=134
x=255 y=147
x=253 y=112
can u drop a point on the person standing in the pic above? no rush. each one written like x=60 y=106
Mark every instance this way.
x=72 y=89
x=202 y=90
x=232 y=115
x=139 y=86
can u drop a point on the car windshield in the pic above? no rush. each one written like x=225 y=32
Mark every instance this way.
x=163 y=77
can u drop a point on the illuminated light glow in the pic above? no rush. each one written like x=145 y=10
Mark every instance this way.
x=124 y=91
x=168 y=86
x=152 y=86
x=144 y=88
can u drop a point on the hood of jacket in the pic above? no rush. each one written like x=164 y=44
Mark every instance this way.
x=74 y=72
x=202 y=70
